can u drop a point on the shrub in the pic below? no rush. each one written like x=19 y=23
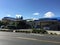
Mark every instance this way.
x=23 y=31
x=55 y=33
x=39 y=31
x=51 y=33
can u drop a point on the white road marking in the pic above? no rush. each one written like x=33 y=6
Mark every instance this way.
x=37 y=34
x=26 y=38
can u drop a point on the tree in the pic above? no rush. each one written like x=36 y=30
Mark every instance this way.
x=22 y=25
x=21 y=17
x=1 y=23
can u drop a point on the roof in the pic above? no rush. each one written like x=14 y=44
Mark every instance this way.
x=49 y=19
x=10 y=18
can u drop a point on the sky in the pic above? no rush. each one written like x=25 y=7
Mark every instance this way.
x=34 y=9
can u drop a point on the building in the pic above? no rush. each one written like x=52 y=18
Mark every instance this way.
x=49 y=23
x=42 y=23
x=19 y=23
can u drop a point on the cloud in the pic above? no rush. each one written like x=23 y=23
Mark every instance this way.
x=36 y=14
x=8 y=15
x=33 y=18
x=17 y=15
x=49 y=15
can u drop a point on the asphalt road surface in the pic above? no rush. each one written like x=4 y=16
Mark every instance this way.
x=11 y=38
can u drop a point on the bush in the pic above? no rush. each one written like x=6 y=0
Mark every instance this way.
x=55 y=33
x=39 y=31
x=23 y=31
x=51 y=33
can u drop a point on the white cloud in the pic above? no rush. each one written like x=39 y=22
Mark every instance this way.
x=35 y=13
x=49 y=15
x=33 y=18
x=8 y=15
x=17 y=15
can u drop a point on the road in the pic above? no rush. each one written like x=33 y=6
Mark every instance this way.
x=11 y=38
